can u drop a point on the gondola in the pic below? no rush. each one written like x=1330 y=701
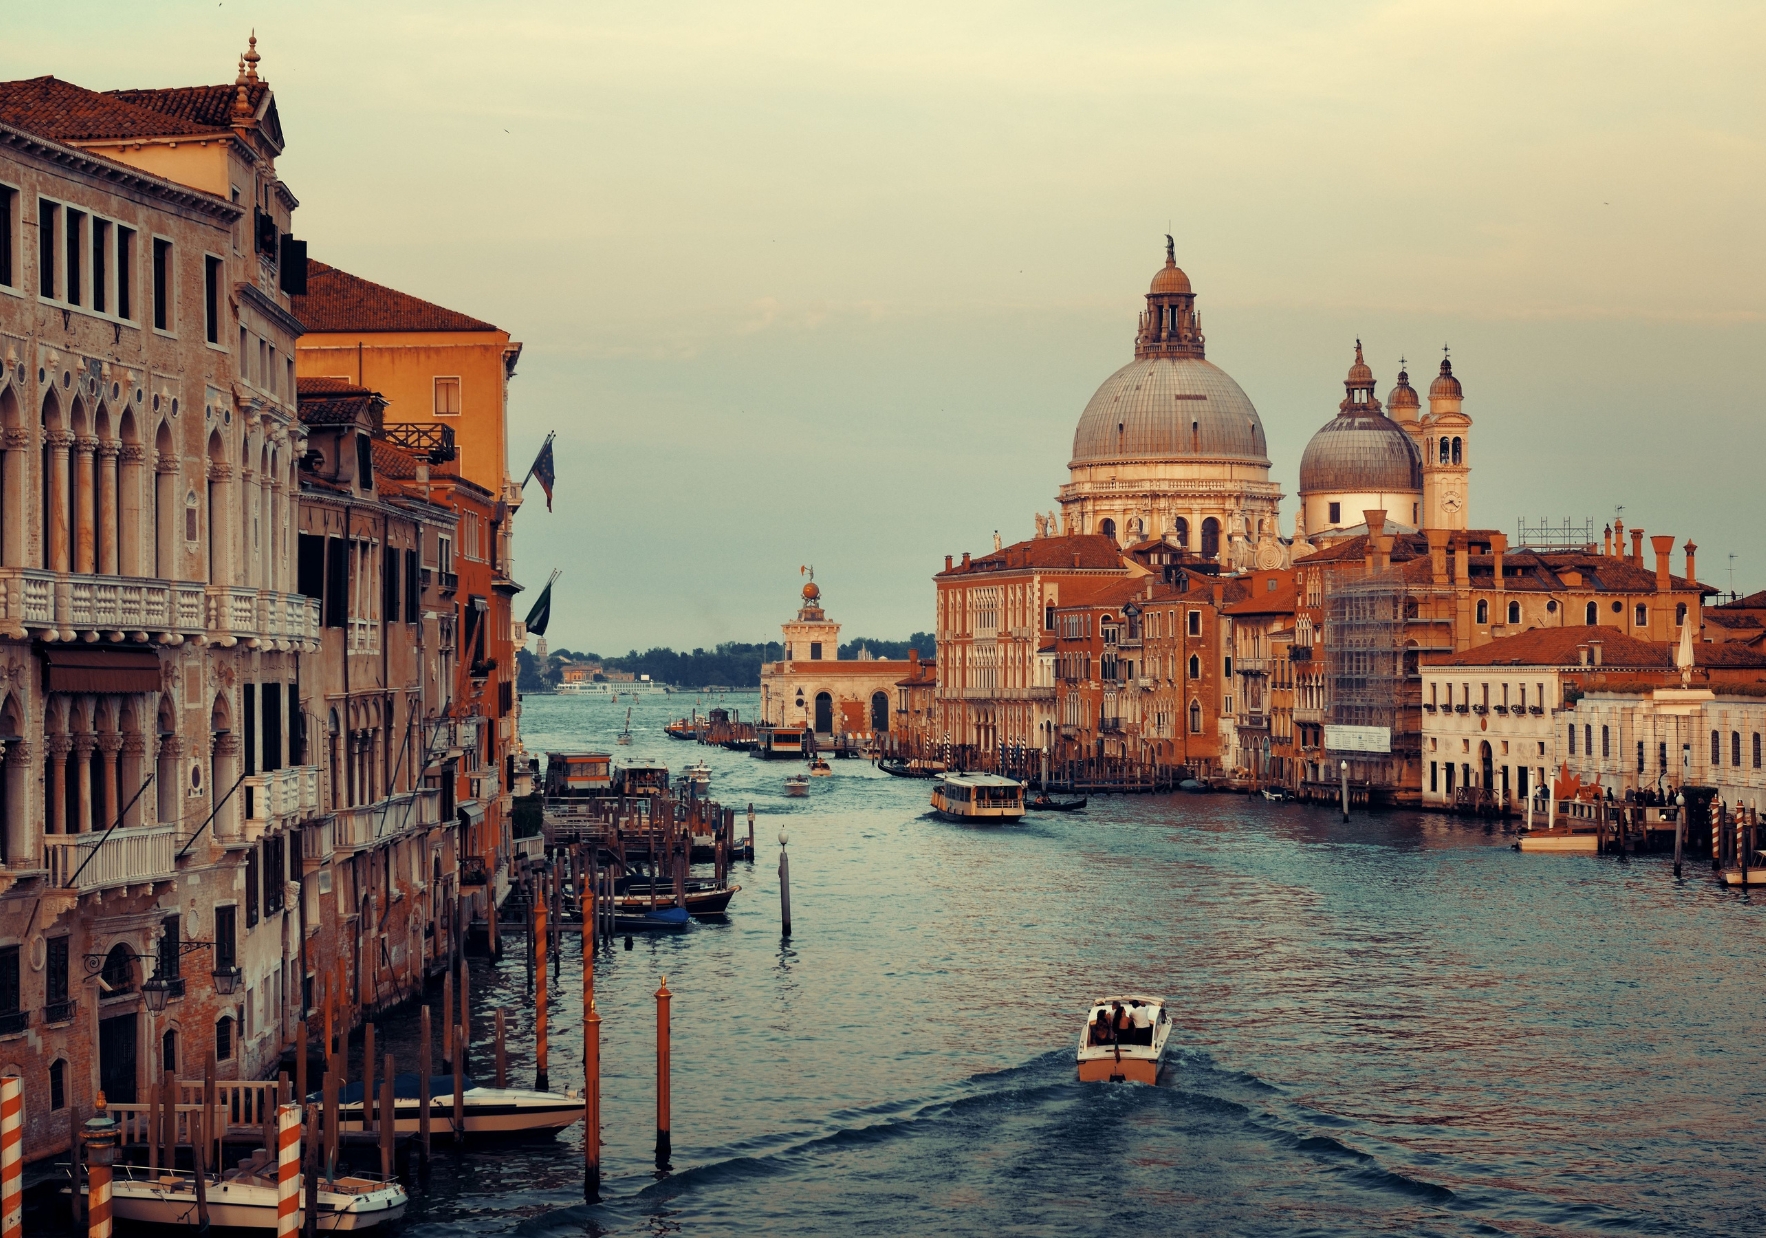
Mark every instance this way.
x=907 y=769
x=1043 y=803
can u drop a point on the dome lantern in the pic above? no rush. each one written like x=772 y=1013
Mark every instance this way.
x=1170 y=327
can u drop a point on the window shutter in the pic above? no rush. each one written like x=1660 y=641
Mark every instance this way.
x=337 y=582
x=311 y=578
x=292 y=277
x=389 y=585
x=413 y=603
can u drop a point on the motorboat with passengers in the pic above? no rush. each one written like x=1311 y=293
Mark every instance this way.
x=978 y=799
x=1124 y=1039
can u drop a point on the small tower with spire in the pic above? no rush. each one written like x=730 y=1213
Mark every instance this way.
x=1170 y=327
x=1447 y=460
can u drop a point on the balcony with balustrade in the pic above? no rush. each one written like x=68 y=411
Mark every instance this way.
x=355 y=829
x=95 y=861
x=279 y=799
x=69 y=606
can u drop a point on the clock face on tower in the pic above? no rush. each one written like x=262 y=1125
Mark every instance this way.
x=1451 y=501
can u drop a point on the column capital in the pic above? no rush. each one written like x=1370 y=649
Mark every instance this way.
x=86 y=444
x=165 y=462
x=60 y=440
x=172 y=746
x=19 y=752
x=134 y=453
x=110 y=447
x=219 y=470
x=84 y=742
x=59 y=745
x=18 y=439
x=226 y=745
x=134 y=742
x=110 y=741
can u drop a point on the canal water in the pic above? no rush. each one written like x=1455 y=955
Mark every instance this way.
x=1394 y=1025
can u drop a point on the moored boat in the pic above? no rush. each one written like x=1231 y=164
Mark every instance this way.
x=1134 y=1054
x=247 y=1200
x=1585 y=839
x=486 y=1110
x=980 y=799
x=1043 y=803
x=773 y=743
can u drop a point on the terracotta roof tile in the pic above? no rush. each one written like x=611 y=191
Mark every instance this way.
x=210 y=107
x=65 y=112
x=1559 y=647
x=335 y=402
x=1279 y=601
x=339 y=301
x=1094 y=552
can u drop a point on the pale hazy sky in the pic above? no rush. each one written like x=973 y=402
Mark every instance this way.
x=810 y=283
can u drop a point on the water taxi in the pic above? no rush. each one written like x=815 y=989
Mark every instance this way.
x=637 y=778
x=246 y=1198
x=819 y=768
x=486 y=1110
x=985 y=799
x=1133 y=1055
x=697 y=774
x=578 y=775
x=1585 y=839
x=797 y=784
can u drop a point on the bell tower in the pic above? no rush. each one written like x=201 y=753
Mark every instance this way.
x=1447 y=461
x=813 y=637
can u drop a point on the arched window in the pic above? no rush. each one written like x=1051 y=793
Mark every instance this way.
x=58 y=1084
x=1641 y=616
x=1210 y=538
x=1108 y=528
x=879 y=711
x=1195 y=667
x=1756 y=750
x=168 y=1050
x=1606 y=742
x=1195 y=717
x=1456 y=451
x=1514 y=612
x=1181 y=528
x=1716 y=748
x=1444 y=451
x=119 y=971
x=824 y=713
x=1680 y=615
x=1483 y=611
x=1735 y=749
x=224 y=1038
x=1591 y=614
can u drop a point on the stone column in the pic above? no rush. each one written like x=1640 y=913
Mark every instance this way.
x=133 y=456
x=220 y=530
x=16 y=519
x=110 y=532
x=109 y=744
x=167 y=503
x=85 y=497
x=272 y=532
x=223 y=774
x=58 y=533
x=246 y=571
x=21 y=840
x=134 y=760
x=84 y=744
x=55 y=818
x=169 y=780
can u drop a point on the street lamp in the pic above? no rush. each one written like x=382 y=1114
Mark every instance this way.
x=156 y=990
x=227 y=980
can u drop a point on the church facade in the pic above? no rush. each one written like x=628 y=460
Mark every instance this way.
x=813 y=686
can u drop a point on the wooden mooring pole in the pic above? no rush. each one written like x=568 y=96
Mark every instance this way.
x=591 y=1071
x=368 y=1079
x=541 y=1082
x=459 y=1096
x=502 y=1053
x=300 y=1062
x=388 y=1120
x=664 y=1141
x=311 y=1185
x=423 y=1069
x=784 y=887
x=448 y=1020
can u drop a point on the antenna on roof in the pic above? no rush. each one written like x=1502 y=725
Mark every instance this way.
x=1732 y=574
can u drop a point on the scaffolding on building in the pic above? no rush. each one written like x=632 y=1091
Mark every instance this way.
x=1364 y=651
x=1565 y=535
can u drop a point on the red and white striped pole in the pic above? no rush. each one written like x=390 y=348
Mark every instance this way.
x=288 y=1179
x=100 y=1137
x=12 y=1165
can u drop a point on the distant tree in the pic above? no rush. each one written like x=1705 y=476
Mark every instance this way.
x=896 y=649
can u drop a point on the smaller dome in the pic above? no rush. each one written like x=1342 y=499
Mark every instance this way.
x=1445 y=386
x=1170 y=277
x=1361 y=452
x=811 y=591
x=1403 y=395
x=1360 y=375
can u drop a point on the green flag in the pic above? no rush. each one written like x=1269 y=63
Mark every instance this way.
x=541 y=614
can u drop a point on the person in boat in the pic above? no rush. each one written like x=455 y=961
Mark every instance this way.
x=1121 y=1022
x=1143 y=1024
x=1100 y=1028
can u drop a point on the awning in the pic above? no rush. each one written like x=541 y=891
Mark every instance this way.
x=73 y=669
x=471 y=812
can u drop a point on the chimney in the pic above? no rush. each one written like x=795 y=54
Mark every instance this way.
x=1637 y=547
x=1594 y=649
x=965 y=558
x=1437 y=555
x=914 y=659
x=1619 y=537
x=1383 y=559
x=1498 y=548
x=1219 y=594
x=1664 y=546
x=1462 y=565
x=947 y=563
x=1691 y=561
x=1376 y=521
x=423 y=472
x=1582 y=655
x=1606 y=545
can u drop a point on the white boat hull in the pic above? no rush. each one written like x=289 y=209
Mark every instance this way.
x=488 y=1111
x=251 y=1204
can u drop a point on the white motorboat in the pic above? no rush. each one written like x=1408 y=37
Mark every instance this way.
x=247 y=1200
x=797 y=784
x=1134 y=1055
x=978 y=799
x=699 y=774
x=1561 y=838
x=487 y=1110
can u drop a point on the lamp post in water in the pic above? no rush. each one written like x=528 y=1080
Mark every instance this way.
x=1345 y=768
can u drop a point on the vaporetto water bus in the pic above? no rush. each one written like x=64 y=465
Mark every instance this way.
x=979 y=799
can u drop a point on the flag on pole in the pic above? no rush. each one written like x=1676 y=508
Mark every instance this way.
x=541 y=614
x=545 y=469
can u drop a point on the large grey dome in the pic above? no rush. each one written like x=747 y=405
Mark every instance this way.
x=1362 y=451
x=1169 y=407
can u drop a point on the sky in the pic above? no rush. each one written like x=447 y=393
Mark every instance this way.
x=811 y=284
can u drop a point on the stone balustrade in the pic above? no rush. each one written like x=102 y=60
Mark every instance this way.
x=278 y=798
x=70 y=606
x=127 y=857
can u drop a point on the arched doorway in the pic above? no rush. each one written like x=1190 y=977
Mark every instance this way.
x=879 y=711
x=1488 y=765
x=1210 y=538
x=1108 y=528
x=824 y=713
x=1180 y=529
